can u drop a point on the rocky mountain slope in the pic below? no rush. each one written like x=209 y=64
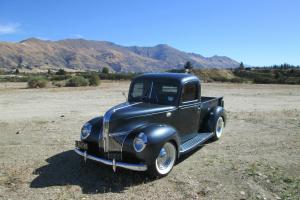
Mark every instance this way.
x=94 y=55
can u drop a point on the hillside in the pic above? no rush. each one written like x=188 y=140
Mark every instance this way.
x=94 y=55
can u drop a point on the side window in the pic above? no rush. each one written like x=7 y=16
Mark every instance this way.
x=189 y=92
x=137 y=90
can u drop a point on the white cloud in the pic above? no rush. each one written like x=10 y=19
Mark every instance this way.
x=9 y=28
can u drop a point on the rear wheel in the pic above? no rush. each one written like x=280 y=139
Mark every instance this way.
x=164 y=162
x=219 y=126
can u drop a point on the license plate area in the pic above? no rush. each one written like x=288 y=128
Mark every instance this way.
x=81 y=145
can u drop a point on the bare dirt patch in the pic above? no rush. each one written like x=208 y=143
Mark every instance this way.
x=257 y=158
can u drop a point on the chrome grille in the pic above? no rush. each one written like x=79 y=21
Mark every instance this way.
x=105 y=132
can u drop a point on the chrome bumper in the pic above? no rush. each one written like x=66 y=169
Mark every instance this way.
x=113 y=163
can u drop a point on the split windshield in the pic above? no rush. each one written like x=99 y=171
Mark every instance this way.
x=154 y=91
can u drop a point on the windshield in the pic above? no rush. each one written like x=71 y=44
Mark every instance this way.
x=157 y=92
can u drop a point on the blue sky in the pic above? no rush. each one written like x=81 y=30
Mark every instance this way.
x=257 y=32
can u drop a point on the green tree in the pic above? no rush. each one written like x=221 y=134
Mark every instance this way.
x=105 y=70
x=242 y=67
x=17 y=71
x=61 y=72
x=188 y=66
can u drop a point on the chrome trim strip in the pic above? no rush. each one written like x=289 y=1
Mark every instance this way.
x=156 y=113
x=136 y=167
x=121 y=133
x=125 y=106
x=189 y=106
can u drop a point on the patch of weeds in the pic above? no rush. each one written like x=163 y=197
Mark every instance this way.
x=275 y=180
x=291 y=189
x=252 y=169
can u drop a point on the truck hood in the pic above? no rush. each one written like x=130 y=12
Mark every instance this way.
x=129 y=110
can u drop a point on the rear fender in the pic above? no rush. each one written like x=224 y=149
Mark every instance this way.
x=214 y=116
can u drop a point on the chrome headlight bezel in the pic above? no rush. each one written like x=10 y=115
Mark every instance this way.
x=85 y=130
x=140 y=142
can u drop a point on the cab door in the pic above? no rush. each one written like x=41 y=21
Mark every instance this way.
x=188 y=112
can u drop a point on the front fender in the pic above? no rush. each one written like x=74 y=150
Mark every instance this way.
x=157 y=136
x=96 y=129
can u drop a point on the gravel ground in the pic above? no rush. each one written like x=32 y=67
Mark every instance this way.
x=257 y=157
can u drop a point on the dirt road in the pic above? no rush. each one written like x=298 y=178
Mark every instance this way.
x=257 y=158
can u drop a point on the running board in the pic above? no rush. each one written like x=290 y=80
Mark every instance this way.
x=194 y=142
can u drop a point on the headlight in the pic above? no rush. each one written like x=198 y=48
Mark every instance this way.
x=140 y=142
x=86 y=130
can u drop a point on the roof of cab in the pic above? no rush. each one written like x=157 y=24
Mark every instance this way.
x=178 y=77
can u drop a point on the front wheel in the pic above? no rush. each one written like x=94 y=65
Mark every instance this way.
x=219 y=126
x=164 y=162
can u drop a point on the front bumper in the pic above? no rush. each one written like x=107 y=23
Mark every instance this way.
x=113 y=163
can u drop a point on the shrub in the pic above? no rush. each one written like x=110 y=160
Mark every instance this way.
x=94 y=79
x=61 y=72
x=105 y=70
x=37 y=82
x=77 y=81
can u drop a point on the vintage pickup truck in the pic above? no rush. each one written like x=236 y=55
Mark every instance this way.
x=164 y=117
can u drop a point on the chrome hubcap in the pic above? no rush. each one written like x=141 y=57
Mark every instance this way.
x=166 y=158
x=219 y=127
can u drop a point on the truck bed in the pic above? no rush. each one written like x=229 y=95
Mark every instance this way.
x=210 y=102
x=206 y=105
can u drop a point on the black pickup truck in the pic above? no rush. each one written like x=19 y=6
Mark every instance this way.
x=165 y=117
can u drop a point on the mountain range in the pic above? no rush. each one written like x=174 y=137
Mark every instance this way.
x=81 y=54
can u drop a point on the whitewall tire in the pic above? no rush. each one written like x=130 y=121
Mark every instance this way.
x=165 y=161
